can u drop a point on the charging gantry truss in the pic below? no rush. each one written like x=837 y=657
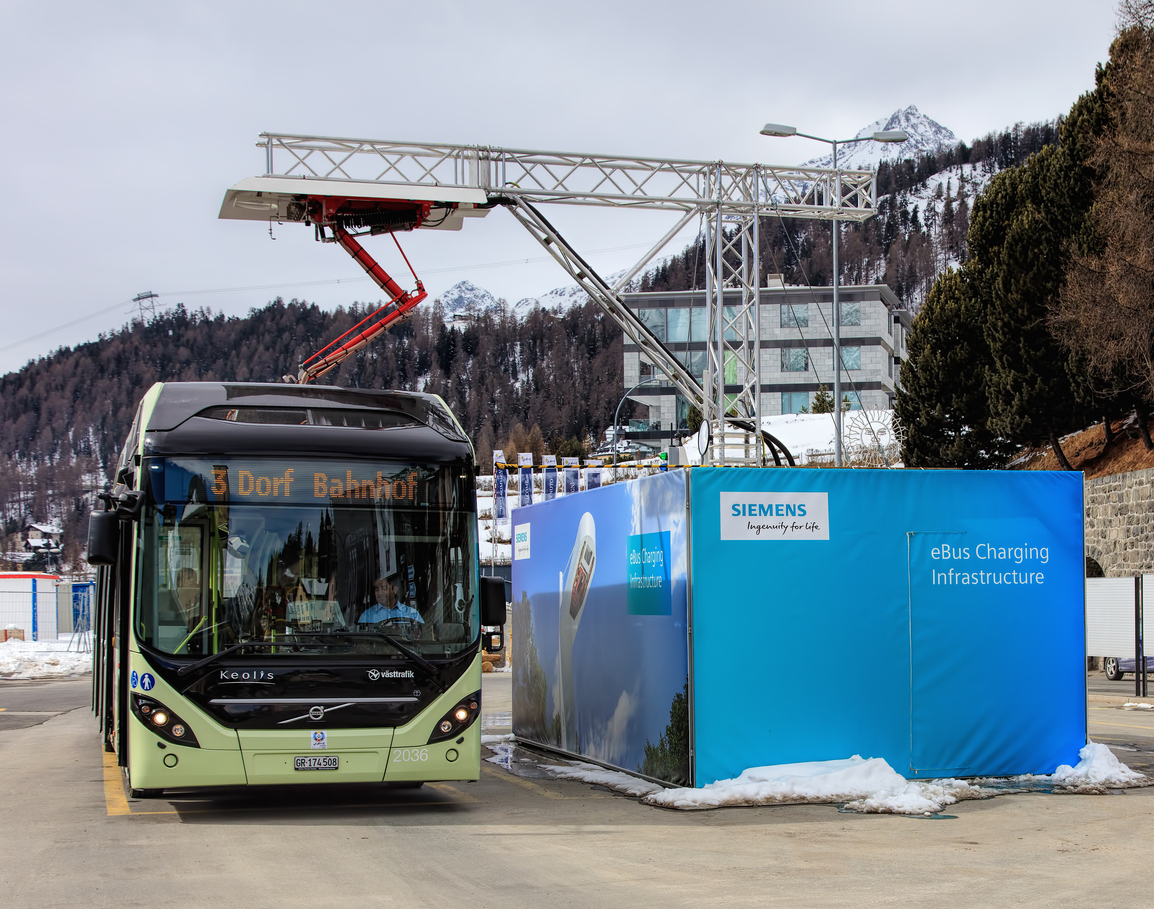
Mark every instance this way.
x=386 y=186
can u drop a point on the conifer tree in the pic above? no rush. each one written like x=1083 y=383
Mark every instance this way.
x=942 y=402
x=1016 y=240
x=822 y=401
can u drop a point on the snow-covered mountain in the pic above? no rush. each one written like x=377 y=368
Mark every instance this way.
x=934 y=207
x=565 y=297
x=925 y=135
x=465 y=296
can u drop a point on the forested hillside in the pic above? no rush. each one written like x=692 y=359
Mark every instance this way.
x=924 y=207
x=549 y=379
x=546 y=381
x=1048 y=325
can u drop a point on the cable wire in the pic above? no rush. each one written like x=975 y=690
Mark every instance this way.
x=829 y=331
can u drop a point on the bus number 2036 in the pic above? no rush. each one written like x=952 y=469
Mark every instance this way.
x=410 y=755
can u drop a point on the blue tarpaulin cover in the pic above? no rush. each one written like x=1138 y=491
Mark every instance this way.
x=930 y=618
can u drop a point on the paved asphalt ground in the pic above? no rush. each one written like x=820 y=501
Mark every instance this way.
x=70 y=837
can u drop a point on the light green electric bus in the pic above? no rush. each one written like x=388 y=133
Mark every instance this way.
x=288 y=590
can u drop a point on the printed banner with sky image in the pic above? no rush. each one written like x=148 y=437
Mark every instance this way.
x=600 y=669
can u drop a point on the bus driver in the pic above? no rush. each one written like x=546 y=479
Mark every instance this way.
x=386 y=609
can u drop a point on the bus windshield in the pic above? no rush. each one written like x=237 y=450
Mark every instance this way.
x=325 y=557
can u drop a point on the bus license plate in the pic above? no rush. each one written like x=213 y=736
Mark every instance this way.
x=317 y=762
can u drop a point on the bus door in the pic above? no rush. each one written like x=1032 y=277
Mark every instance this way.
x=120 y=617
x=103 y=689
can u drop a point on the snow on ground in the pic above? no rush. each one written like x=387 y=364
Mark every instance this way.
x=598 y=776
x=803 y=432
x=1097 y=771
x=490 y=537
x=869 y=786
x=44 y=659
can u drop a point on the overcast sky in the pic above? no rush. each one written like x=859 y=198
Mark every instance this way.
x=125 y=122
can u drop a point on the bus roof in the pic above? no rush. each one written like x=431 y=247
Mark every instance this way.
x=210 y=417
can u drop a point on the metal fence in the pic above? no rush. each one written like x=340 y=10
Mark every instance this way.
x=46 y=611
x=31 y=611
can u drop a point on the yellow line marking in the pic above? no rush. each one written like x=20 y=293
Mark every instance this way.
x=453 y=791
x=114 y=798
x=2 y=709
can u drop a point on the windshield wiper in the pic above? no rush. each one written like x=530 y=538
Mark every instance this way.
x=212 y=658
x=411 y=654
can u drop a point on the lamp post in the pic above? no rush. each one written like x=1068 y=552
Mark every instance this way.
x=617 y=413
x=885 y=135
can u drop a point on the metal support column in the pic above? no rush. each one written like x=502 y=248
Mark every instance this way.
x=837 y=421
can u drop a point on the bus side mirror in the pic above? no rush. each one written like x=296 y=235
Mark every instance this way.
x=103 y=537
x=492 y=601
x=129 y=504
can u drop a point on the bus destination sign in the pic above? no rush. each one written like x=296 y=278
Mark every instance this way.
x=282 y=481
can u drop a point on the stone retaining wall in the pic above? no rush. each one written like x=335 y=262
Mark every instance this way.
x=1120 y=523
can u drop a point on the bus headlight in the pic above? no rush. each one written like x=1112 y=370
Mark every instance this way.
x=163 y=721
x=457 y=720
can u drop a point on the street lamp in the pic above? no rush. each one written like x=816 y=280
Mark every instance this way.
x=885 y=135
x=617 y=413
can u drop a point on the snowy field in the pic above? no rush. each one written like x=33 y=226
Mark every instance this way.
x=868 y=786
x=45 y=659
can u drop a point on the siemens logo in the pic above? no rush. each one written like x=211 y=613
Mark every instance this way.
x=767 y=516
x=768 y=510
x=521 y=541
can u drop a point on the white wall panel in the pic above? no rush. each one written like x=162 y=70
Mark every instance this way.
x=1110 y=616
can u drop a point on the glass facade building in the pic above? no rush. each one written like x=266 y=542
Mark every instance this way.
x=796 y=347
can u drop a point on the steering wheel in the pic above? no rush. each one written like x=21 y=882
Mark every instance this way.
x=399 y=627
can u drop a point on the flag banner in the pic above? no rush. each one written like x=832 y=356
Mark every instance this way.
x=572 y=471
x=550 y=484
x=500 y=488
x=593 y=474
x=525 y=461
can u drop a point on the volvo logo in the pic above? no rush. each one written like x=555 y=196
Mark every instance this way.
x=316 y=713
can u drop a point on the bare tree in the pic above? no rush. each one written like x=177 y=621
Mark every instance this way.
x=1135 y=14
x=1106 y=310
